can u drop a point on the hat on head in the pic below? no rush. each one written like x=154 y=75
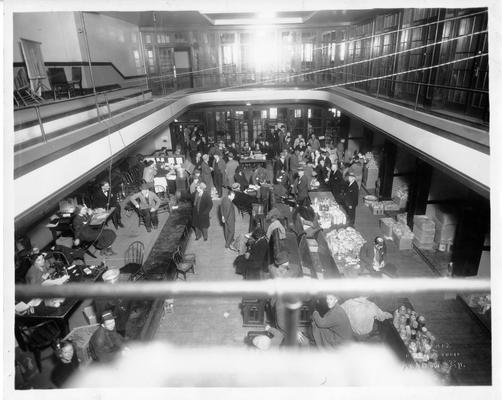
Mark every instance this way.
x=107 y=316
x=262 y=342
x=145 y=186
x=282 y=258
x=236 y=186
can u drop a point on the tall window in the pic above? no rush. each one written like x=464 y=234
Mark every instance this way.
x=298 y=113
x=307 y=52
x=273 y=113
x=228 y=54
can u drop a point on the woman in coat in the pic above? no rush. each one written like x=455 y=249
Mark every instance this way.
x=201 y=208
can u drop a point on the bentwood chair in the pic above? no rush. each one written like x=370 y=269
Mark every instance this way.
x=133 y=258
x=184 y=263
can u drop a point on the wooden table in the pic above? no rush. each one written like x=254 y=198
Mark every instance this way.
x=59 y=314
x=249 y=162
x=63 y=226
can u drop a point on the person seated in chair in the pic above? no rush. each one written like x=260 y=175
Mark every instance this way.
x=104 y=198
x=362 y=314
x=39 y=270
x=105 y=343
x=252 y=264
x=102 y=239
x=147 y=203
x=66 y=364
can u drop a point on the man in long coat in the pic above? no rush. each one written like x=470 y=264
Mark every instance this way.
x=351 y=199
x=200 y=214
x=228 y=218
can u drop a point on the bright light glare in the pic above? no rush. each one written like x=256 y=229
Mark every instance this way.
x=264 y=51
x=267 y=15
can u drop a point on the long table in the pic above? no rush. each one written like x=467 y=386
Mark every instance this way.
x=59 y=314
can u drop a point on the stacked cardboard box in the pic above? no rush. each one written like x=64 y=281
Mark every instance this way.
x=370 y=176
x=445 y=221
x=377 y=208
x=424 y=231
x=386 y=225
x=402 y=236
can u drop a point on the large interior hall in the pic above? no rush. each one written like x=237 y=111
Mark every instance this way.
x=302 y=191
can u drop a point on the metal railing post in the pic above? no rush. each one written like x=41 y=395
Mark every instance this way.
x=42 y=130
x=292 y=317
x=108 y=106
x=416 y=97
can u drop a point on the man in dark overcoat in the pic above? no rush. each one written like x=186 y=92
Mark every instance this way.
x=228 y=218
x=351 y=199
x=202 y=205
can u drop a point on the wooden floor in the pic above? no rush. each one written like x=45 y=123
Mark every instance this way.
x=463 y=341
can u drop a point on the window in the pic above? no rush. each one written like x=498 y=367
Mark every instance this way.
x=239 y=114
x=307 y=52
x=298 y=113
x=150 y=61
x=341 y=49
x=273 y=113
x=137 y=60
x=309 y=113
x=134 y=38
x=148 y=39
x=264 y=114
x=228 y=54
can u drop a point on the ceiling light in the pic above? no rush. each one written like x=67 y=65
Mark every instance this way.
x=257 y=21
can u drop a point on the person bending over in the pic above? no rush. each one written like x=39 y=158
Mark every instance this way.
x=362 y=314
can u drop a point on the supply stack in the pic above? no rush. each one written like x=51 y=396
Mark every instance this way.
x=424 y=231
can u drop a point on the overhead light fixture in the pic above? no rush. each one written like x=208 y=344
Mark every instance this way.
x=248 y=103
x=258 y=21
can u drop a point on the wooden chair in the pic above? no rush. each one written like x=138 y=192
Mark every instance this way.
x=59 y=83
x=23 y=95
x=133 y=258
x=184 y=263
x=38 y=337
x=76 y=78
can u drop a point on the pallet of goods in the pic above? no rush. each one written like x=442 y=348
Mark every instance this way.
x=345 y=243
x=424 y=230
x=370 y=172
x=402 y=236
x=386 y=225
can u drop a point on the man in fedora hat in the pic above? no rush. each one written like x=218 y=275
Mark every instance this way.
x=351 y=198
x=301 y=188
x=202 y=205
x=147 y=203
x=105 y=342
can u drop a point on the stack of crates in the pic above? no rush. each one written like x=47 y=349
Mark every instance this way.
x=424 y=230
